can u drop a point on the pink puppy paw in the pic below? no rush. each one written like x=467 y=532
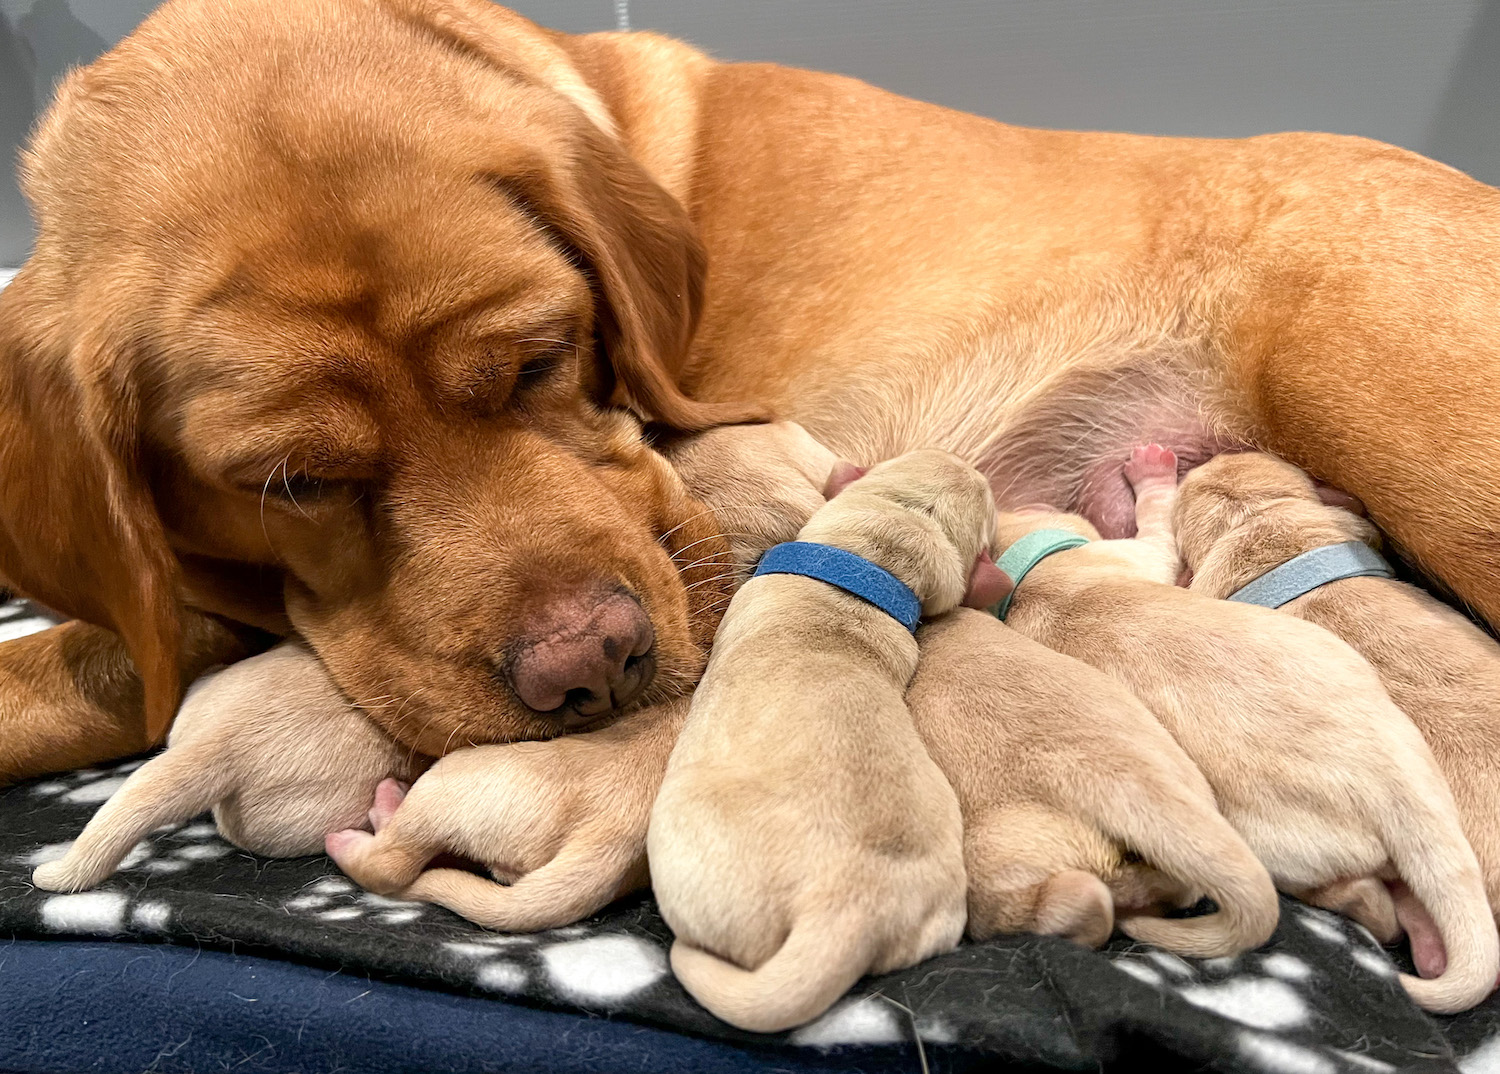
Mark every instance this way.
x=389 y=795
x=1151 y=464
x=345 y=845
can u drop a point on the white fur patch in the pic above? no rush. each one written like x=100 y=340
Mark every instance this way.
x=1283 y=1057
x=469 y=950
x=19 y=628
x=98 y=791
x=164 y=865
x=937 y=1031
x=43 y=854
x=1258 y=1002
x=383 y=902
x=865 y=1020
x=201 y=852
x=1287 y=967
x=604 y=969
x=331 y=885
x=50 y=787
x=93 y=913
x=1172 y=964
x=1484 y=1059
x=307 y=902
x=1139 y=970
x=1223 y=964
x=1364 y=1062
x=1323 y=926
x=199 y=831
x=151 y=916
x=1377 y=962
x=400 y=917
x=138 y=854
x=342 y=913
x=501 y=977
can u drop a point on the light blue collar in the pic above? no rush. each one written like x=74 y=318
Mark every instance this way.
x=1026 y=553
x=1302 y=574
x=847 y=571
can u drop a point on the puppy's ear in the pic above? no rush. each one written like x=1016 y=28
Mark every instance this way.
x=843 y=474
x=988 y=584
x=78 y=528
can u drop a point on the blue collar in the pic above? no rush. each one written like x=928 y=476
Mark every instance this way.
x=1302 y=574
x=851 y=573
x=1026 y=553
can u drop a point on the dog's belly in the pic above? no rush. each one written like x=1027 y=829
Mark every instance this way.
x=1053 y=428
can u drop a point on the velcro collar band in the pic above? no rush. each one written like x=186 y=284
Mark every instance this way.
x=1302 y=574
x=1026 y=553
x=851 y=573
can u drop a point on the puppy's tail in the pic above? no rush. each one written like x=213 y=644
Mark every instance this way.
x=819 y=961
x=168 y=789
x=1428 y=848
x=573 y=885
x=1190 y=840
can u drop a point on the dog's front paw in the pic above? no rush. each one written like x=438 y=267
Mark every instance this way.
x=1151 y=464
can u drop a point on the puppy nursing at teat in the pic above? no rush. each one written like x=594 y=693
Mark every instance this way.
x=1244 y=515
x=803 y=837
x=269 y=745
x=1329 y=783
x=1059 y=772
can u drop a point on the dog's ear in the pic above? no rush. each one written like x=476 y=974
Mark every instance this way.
x=78 y=528
x=649 y=270
x=634 y=239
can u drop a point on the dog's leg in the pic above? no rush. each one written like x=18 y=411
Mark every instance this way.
x=1364 y=901
x=1365 y=347
x=70 y=696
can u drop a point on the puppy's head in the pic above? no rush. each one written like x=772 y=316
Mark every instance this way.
x=762 y=482
x=1231 y=490
x=340 y=317
x=1011 y=526
x=927 y=517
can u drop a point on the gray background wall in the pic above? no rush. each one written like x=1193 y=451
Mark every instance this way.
x=1421 y=73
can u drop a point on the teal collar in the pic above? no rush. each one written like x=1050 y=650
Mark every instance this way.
x=1302 y=574
x=1026 y=553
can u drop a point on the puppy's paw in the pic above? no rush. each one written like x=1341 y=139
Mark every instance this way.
x=389 y=795
x=1076 y=905
x=347 y=846
x=1151 y=464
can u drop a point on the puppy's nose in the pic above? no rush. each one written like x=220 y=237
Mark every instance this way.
x=586 y=654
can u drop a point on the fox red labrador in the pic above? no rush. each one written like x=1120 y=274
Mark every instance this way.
x=336 y=308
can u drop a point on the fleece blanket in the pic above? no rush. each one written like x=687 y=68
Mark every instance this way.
x=1320 y=998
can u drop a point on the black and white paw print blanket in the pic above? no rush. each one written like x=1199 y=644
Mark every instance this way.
x=1320 y=998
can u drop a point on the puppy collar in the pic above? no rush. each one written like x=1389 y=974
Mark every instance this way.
x=1302 y=574
x=1026 y=553
x=851 y=573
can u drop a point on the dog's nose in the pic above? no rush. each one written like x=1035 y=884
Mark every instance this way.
x=585 y=655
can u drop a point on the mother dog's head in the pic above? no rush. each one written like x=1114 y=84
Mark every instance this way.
x=338 y=313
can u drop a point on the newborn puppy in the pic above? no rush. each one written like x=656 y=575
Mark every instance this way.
x=1239 y=516
x=270 y=745
x=1324 y=777
x=562 y=824
x=803 y=837
x=1059 y=770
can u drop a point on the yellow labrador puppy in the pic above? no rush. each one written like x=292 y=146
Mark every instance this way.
x=1241 y=517
x=803 y=837
x=270 y=745
x=561 y=825
x=1324 y=777
x=1059 y=771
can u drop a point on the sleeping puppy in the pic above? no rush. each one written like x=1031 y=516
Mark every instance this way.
x=1239 y=516
x=270 y=745
x=561 y=824
x=802 y=837
x=1059 y=771
x=1324 y=777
